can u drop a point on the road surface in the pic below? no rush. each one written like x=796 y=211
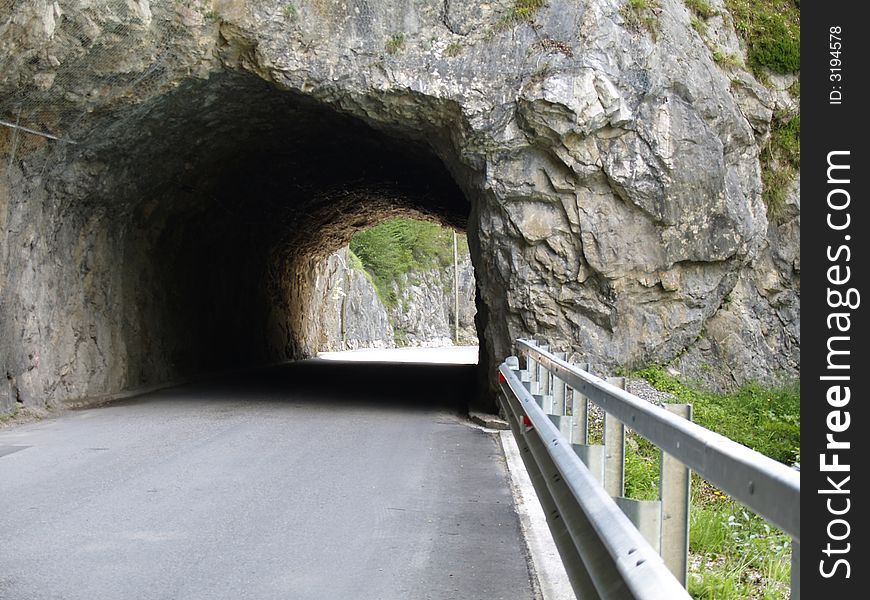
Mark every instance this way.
x=312 y=480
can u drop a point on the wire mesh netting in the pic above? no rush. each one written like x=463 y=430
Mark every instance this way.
x=60 y=61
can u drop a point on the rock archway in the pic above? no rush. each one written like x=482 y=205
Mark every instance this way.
x=607 y=179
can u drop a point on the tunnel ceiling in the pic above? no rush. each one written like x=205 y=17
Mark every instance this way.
x=608 y=181
x=289 y=170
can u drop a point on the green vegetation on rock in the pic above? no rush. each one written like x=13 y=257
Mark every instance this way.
x=290 y=12
x=395 y=43
x=9 y=416
x=771 y=30
x=522 y=11
x=399 y=246
x=780 y=162
x=453 y=49
x=640 y=15
x=702 y=8
x=726 y=60
x=701 y=12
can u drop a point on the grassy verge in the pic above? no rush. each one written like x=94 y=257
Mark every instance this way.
x=735 y=555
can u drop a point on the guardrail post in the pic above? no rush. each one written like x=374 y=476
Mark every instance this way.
x=646 y=515
x=526 y=379
x=534 y=369
x=559 y=391
x=615 y=562
x=614 y=444
x=545 y=402
x=674 y=493
x=580 y=412
x=544 y=376
x=593 y=457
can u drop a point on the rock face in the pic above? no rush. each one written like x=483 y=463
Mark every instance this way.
x=607 y=178
x=424 y=311
x=346 y=312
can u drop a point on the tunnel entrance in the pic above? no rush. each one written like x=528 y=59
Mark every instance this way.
x=236 y=204
x=204 y=213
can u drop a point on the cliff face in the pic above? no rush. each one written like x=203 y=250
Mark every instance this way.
x=424 y=311
x=347 y=313
x=604 y=166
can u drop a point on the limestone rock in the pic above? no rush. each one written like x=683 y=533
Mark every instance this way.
x=608 y=181
x=347 y=312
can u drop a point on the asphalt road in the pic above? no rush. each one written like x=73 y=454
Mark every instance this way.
x=313 y=480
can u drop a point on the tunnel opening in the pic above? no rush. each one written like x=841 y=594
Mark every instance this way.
x=218 y=200
x=402 y=290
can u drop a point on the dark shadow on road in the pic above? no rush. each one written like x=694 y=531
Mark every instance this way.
x=405 y=385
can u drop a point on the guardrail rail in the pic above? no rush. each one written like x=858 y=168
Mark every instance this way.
x=615 y=547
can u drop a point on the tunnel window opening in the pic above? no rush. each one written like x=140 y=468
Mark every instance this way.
x=400 y=291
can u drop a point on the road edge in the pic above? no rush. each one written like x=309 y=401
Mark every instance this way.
x=545 y=560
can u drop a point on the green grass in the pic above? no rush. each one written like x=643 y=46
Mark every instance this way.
x=726 y=60
x=742 y=556
x=454 y=49
x=9 y=416
x=738 y=554
x=786 y=138
x=290 y=12
x=775 y=182
x=400 y=246
x=771 y=30
x=763 y=418
x=641 y=468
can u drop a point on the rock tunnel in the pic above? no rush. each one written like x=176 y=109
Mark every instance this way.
x=209 y=209
x=171 y=171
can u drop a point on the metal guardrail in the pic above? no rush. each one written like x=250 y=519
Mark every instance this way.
x=604 y=553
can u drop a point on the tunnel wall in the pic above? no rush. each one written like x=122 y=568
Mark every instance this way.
x=607 y=176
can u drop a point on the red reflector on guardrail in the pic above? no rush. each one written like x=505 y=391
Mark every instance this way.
x=527 y=422
x=501 y=378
